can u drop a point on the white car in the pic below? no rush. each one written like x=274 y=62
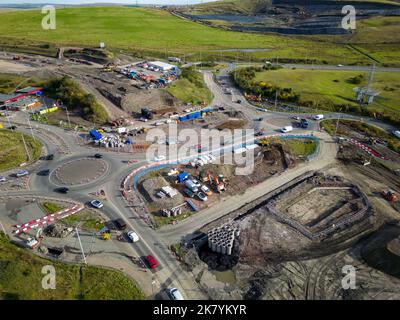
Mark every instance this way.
x=2 y=179
x=21 y=173
x=396 y=133
x=287 y=129
x=340 y=65
x=159 y=158
x=32 y=242
x=97 y=204
x=133 y=236
x=196 y=183
x=318 y=117
x=174 y=294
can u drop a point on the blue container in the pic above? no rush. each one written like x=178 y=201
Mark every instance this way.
x=182 y=176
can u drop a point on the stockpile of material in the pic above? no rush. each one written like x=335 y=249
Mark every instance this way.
x=221 y=239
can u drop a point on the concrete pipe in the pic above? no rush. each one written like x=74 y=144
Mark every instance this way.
x=223 y=249
x=229 y=249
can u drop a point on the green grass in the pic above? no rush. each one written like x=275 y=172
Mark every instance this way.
x=150 y=31
x=330 y=87
x=190 y=88
x=21 y=277
x=302 y=147
x=9 y=82
x=12 y=151
x=87 y=219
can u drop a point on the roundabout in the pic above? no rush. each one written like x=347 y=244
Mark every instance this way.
x=79 y=172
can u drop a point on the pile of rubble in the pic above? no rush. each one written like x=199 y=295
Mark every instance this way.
x=57 y=231
x=112 y=141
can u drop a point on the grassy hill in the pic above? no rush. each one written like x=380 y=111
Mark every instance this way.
x=157 y=32
x=12 y=150
x=21 y=277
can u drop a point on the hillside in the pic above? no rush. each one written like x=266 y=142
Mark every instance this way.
x=255 y=7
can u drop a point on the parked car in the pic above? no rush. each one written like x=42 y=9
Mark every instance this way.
x=174 y=294
x=133 y=236
x=62 y=190
x=2 y=179
x=44 y=172
x=296 y=118
x=12 y=127
x=191 y=186
x=202 y=196
x=97 y=204
x=196 y=183
x=151 y=262
x=206 y=190
x=21 y=173
x=188 y=192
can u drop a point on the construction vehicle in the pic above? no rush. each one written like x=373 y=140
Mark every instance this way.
x=109 y=67
x=106 y=235
x=389 y=195
x=215 y=182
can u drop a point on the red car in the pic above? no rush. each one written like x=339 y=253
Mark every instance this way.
x=151 y=262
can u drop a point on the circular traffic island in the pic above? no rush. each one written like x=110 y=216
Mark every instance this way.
x=79 y=172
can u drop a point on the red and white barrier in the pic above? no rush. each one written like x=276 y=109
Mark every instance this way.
x=33 y=224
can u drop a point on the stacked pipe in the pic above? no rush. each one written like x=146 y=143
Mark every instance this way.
x=221 y=239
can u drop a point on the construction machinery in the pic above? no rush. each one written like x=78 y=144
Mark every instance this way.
x=217 y=184
x=109 y=67
x=389 y=195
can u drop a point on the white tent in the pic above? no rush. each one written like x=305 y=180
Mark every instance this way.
x=162 y=65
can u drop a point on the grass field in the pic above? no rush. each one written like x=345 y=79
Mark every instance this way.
x=191 y=88
x=21 y=278
x=12 y=151
x=329 y=87
x=302 y=147
x=156 y=31
x=8 y=82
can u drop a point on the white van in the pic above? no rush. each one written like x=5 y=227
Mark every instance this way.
x=287 y=129
x=318 y=117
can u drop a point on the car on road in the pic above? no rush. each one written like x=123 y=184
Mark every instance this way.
x=188 y=192
x=97 y=204
x=44 y=172
x=239 y=101
x=396 y=133
x=287 y=129
x=206 y=190
x=151 y=262
x=133 y=236
x=62 y=190
x=202 y=196
x=12 y=127
x=174 y=294
x=98 y=156
x=22 y=173
x=159 y=158
x=120 y=224
x=340 y=65
x=3 y=179
x=50 y=157
x=304 y=123
x=296 y=118
x=318 y=117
